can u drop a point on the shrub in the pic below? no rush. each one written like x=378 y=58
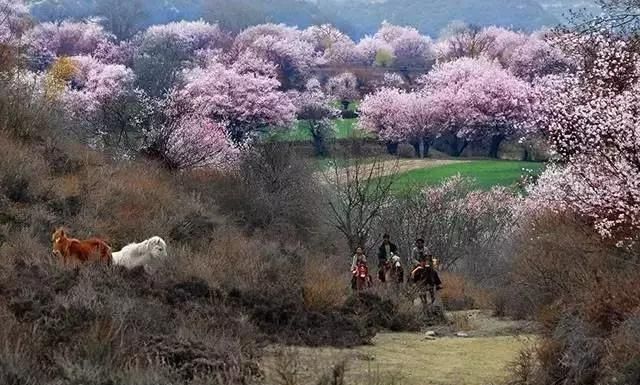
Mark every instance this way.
x=584 y=292
x=98 y=323
x=274 y=191
x=25 y=112
x=406 y=150
x=24 y=176
x=324 y=286
x=459 y=293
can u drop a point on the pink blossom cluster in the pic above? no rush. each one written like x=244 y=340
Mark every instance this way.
x=343 y=86
x=396 y=115
x=458 y=195
x=95 y=84
x=13 y=20
x=474 y=98
x=526 y=56
x=48 y=41
x=313 y=104
x=478 y=98
x=405 y=45
x=243 y=102
x=197 y=141
x=333 y=47
x=592 y=119
x=283 y=46
x=186 y=36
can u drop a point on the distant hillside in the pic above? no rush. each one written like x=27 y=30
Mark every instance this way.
x=355 y=17
x=561 y=9
x=432 y=16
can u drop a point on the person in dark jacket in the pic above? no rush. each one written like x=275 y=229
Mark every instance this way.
x=385 y=252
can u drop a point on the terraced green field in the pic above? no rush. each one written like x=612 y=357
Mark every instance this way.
x=487 y=173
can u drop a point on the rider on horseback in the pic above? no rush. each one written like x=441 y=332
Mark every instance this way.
x=358 y=258
x=422 y=258
x=386 y=251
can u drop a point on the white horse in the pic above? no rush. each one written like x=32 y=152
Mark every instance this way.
x=145 y=254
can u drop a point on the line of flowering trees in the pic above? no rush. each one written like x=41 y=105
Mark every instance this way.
x=480 y=91
x=189 y=78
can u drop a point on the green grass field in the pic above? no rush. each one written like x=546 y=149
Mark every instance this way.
x=345 y=128
x=487 y=173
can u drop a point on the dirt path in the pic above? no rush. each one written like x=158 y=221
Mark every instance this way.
x=480 y=358
x=390 y=167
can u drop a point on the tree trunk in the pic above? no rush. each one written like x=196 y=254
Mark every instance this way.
x=319 y=144
x=526 y=156
x=421 y=147
x=457 y=146
x=392 y=148
x=345 y=105
x=494 y=149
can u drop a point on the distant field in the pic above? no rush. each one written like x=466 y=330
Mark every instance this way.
x=488 y=173
x=345 y=128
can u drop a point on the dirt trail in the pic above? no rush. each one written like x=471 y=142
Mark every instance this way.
x=480 y=358
x=390 y=167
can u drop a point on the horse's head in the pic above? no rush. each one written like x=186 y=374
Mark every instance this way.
x=395 y=260
x=58 y=238
x=157 y=247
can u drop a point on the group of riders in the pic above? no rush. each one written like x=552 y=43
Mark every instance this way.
x=422 y=264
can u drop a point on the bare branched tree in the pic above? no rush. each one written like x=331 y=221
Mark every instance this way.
x=467 y=41
x=617 y=15
x=359 y=189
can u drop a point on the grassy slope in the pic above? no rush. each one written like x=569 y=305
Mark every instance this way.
x=488 y=173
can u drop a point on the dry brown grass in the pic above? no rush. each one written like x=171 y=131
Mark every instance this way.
x=324 y=285
x=24 y=176
x=230 y=259
x=406 y=358
x=459 y=293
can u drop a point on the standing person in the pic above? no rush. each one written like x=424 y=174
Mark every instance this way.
x=358 y=258
x=385 y=252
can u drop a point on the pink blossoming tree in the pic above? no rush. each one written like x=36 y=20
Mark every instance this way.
x=163 y=50
x=95 y=84
x=244 y=102
x=13 y=20
x=396 y=116
x=315 y=110
x=410 y=49
x=592 y=120
x=48 y=41
x=343 y=87
x=477 y=99
x=281 y=45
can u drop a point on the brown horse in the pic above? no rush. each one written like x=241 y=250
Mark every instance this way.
x=426 y=278
x=74 y=251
